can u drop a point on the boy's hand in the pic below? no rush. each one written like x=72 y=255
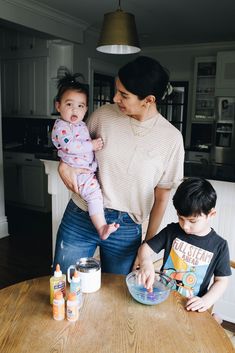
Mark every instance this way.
x=146 y=274
x=97 y=144
x=198 y=304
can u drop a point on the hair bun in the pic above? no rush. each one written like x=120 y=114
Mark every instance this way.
x=168 y=90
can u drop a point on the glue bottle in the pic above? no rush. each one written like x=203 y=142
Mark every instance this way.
x=75 y=287
x=58 y=306
x=72 y=311
x=57 y=283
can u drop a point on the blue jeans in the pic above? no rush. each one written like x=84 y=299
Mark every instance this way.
x=77 y=237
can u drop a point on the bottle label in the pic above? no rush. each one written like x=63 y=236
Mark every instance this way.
x=72 y=311
x=60 y=286
x=58 y=310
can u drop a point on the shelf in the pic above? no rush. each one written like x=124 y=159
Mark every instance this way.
x=206 y=76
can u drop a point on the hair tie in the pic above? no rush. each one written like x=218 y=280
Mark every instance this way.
x=168 y=90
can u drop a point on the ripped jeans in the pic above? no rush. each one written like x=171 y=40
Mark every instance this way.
x=77 y=237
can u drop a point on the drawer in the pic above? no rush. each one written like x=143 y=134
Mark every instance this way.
x=195 y=156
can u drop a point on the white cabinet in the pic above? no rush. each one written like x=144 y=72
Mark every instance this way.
x=16 y=41
x=10 y=87
x=25 y=183
x=225 y=74
x=24 y=87
x=204 y=89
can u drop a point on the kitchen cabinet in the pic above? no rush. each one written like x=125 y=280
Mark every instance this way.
x=25 y=183
x=24 y=87
x=204 y=89
x=16 y=41
x=225 y=74
x=10 y=88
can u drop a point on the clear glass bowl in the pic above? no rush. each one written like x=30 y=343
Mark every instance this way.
x=161 y=288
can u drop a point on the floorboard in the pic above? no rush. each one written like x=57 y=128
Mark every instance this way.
x=26 y=252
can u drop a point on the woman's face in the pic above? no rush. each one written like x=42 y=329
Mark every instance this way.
x=128 y=102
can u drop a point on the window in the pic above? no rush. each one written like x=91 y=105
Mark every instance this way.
x=103 y=90
x=174 y=106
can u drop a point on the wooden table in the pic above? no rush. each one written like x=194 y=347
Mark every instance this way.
x=110 y=322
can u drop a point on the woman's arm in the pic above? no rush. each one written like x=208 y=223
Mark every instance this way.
x=156 y=215
x=69 y=175
x=157 y=212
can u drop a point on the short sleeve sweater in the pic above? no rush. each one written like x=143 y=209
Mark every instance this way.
x=137 y=157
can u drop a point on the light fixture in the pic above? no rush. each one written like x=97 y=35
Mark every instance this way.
x=118 y=33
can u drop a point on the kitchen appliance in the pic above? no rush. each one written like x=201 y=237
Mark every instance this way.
x=224 y=149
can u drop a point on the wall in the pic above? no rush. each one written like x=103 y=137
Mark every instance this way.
x=87 y=50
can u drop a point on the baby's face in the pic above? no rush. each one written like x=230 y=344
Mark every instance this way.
x=197 y=225
x=73 y=106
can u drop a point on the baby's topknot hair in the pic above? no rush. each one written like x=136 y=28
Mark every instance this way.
x=71 y=82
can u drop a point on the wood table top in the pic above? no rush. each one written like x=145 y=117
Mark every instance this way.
x=110 y=321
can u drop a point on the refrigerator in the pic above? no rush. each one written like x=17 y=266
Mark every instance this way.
x=224 y=147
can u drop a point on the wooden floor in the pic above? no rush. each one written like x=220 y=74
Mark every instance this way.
x=26 y=252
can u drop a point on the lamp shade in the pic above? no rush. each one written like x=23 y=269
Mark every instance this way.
x=118 y=34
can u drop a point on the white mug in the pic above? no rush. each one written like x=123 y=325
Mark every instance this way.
x=90 y=272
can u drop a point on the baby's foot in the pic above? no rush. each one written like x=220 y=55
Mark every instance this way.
x=107 y=229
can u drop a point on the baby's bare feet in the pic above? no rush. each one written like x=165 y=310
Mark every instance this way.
x=107 y=229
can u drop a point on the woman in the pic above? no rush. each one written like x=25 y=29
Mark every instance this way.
x=141 y=161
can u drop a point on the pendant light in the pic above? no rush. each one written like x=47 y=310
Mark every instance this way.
x=118 y=33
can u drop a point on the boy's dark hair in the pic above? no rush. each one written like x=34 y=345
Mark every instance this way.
x=71 y=82
x=144 y=76
x=193 y=197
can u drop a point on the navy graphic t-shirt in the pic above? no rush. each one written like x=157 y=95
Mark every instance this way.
x=191 y=260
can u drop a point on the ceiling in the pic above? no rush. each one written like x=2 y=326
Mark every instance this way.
x=159 y=22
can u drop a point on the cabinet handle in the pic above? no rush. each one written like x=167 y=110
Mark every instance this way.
x=28 y=160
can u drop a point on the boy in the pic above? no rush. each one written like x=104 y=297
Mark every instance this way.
x=194 y=253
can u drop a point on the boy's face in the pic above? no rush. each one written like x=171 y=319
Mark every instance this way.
x=73 y=106
x=197 y=225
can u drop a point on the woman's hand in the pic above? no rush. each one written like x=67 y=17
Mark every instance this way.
x=69 y=175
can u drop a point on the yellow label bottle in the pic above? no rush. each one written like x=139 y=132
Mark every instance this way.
x=57 y=283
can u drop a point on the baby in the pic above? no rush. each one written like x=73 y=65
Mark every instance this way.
x=75 y=147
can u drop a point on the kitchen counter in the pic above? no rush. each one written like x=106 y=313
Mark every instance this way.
x=208 y=170
x=40 y=152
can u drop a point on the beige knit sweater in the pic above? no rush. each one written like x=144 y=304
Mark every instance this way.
x=137 y=157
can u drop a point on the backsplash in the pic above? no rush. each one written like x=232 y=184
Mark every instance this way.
x=26 y=131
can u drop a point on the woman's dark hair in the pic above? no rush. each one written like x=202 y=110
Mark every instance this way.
x=194 y=196
x=144 y=76
x=71 y=82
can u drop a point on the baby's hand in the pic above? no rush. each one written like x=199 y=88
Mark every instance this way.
x=97 y=144
x=197 y=304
